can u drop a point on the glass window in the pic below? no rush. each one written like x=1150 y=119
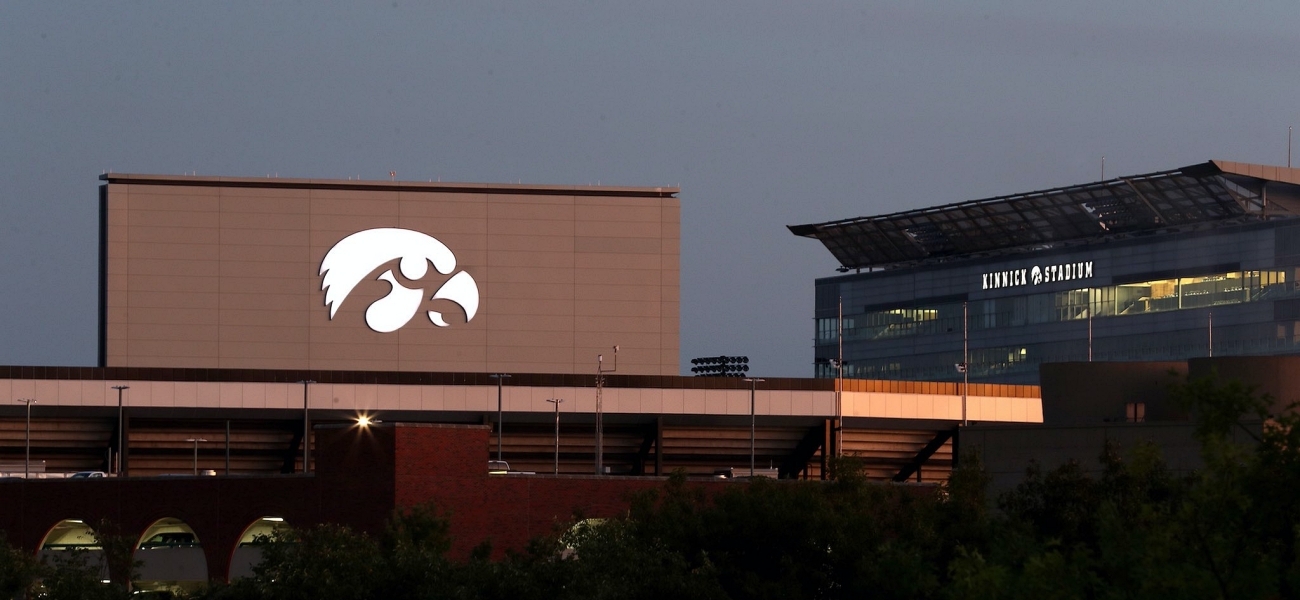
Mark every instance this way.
x=1136 y=412
x=1111 y=301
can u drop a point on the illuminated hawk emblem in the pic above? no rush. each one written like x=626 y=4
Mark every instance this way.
x=357 y=256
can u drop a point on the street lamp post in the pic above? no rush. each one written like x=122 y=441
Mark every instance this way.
x=119 y=389
x=306 y=427
x=27 y=439
x=600 y=409
x=838 y=363
x=839 y=378
x=965 y=360
x=196 y=452
x=500 y=422
x=753 y=382
x=556 y=402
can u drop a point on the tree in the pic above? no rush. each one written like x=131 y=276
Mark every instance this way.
x=18 y=569
x=405 y=560
x=412 y=553
x=1138 y=531
x=79 y=573
x=119 y=555
x=1132 y=529
x=323 y=562
x=766 y=539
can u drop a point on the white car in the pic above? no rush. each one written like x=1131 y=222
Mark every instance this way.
x=88 y=475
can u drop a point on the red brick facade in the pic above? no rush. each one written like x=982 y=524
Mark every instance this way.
x=508 y=510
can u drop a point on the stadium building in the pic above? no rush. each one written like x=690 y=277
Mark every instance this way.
x=212 y=272
x=1191 y=262
x=243 y=312
x=259 y=336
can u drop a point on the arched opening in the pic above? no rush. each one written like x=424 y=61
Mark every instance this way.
x=575 y=534
x=72 y=541
x=248 y=551
x=171 y=558
x=68 y=535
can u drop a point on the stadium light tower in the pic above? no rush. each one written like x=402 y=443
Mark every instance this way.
x=720 y=366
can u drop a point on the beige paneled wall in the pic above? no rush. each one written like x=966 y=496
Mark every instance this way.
x=224 y=273
x=515 y=399
x=942 y=406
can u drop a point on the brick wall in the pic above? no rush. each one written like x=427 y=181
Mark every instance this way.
x=446 y=466
x=362 y=475
x=218 y=509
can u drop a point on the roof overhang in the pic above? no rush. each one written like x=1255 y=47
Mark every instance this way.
x=391 y=186
x=1203 y=195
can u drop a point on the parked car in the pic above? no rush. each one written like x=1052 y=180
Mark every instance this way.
x=501 y=467
x=743 y=473
x=175 y=539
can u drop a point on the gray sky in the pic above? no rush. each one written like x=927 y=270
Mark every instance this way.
x=766 y=113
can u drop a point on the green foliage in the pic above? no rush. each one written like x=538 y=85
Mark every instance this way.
x=119 y=555
x=412 y=549
x=327 y=561
x=72 y=574
x=1139 y=531
x=75 y=575
x=18 y=569
x=1219 y=407
x=769 y=539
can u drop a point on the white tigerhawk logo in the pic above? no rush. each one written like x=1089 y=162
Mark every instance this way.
x=355 y=257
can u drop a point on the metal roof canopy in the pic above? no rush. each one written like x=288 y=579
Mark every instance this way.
x=1207 y=194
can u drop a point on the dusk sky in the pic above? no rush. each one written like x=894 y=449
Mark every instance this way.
x=765 y=113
